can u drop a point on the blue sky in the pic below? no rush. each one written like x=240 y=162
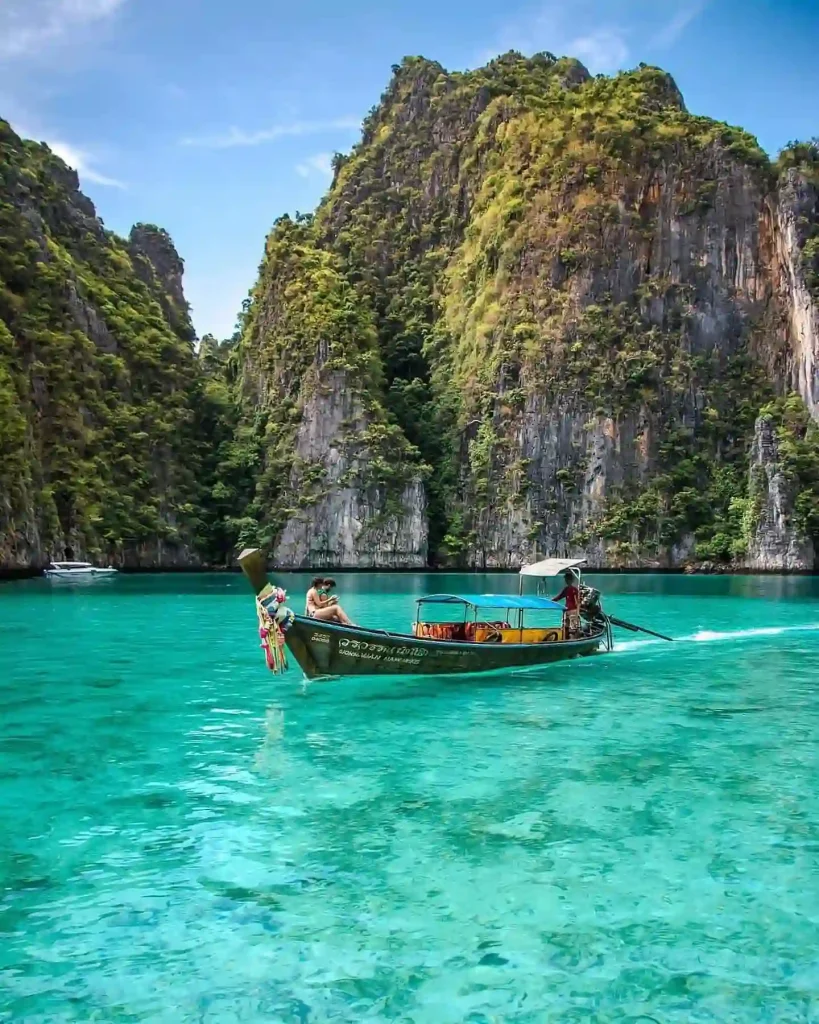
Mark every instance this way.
x=213 y=117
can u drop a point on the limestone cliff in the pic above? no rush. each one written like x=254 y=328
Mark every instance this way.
x=796 y=268
x=537 y=312
x=581 y=295
x=98 y=454
x=345 y=517
x=337 y=483
x=775 y=544
x=781 y=510
x=159 y=265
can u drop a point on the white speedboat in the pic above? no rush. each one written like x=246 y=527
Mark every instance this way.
x=76 y=571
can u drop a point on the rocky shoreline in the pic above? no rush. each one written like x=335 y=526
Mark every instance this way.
x=702 y=569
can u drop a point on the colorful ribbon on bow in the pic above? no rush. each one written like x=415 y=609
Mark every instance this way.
x=274 y=621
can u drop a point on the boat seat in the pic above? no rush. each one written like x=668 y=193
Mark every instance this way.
x=457 y=631
x=440 y=630
x=489 y=632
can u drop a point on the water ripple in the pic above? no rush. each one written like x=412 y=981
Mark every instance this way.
x=186 y=838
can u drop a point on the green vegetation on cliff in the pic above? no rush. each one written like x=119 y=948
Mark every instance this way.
x=509 y=228
x=798 y=451
x=305 y=333
x=551 y=297
x=803 y=159
x=97 y=391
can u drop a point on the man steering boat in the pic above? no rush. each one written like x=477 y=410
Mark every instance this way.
x=571 y=616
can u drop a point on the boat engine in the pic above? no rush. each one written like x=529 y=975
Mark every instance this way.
x=591 y=608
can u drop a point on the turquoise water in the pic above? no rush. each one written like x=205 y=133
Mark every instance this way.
x=185 y=837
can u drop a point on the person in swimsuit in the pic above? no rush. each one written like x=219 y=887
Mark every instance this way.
x=322 y=606
x=571 y=617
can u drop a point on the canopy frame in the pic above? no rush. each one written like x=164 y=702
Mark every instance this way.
x=499 y=602
x=550 y=567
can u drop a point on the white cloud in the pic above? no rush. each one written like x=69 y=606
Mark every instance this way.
x=29 y=27
x=554 y=27
x=89 y=9
x=604 y=50
x=238 y=137
x=82 y=162
x=319 y=163
x=672 y=30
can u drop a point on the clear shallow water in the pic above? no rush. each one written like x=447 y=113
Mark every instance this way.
x=184 y=837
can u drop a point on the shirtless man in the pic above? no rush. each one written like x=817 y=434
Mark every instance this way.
x=320 y=605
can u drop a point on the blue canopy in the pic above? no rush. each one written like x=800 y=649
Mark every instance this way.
x=492 y=601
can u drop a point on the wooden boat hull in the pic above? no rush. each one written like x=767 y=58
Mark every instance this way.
x=326 y=649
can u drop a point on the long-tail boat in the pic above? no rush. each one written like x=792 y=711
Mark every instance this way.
x=480 y=633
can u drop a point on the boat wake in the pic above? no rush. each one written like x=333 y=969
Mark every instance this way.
x=707 y=636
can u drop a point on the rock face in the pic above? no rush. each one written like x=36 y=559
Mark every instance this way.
x=338 y=484
x=160 y=266
x=775 y=544
x=590 y=427
x=98 y=454
x=583 y=295
x=537 y=313
x=797 y=218
x=350 y=523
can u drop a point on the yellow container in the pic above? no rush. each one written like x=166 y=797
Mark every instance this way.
x=485 y=634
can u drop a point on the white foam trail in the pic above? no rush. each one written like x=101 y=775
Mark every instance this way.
x=706 y=636
x=636 y=645
x=709 y=635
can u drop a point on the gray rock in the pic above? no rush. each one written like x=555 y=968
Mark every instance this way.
x=351 y=525
x=162 y=273
x=795 y=214
x=777 y=543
